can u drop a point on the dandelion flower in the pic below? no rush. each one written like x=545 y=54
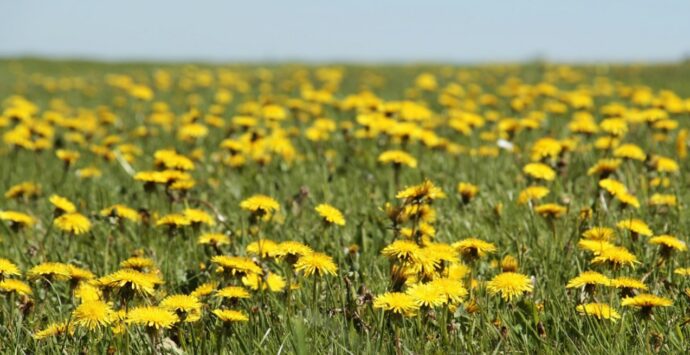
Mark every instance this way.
x=230 y=316
x=397 y=303
x=550 y=210
x=8 y=268
x=330 y=214
x=236 y=265
x=467 y=191
x=646 y=302
x=405 y=250
x=599 y=233
x=49 y=271
x=617 y=256
x=53 y=330
x=418 y=194
x=598 y=310
x=17 y=219
x=187 y=307
x=316 y=263
x=233 y=292
x=635 y=226
x=669 y=242
x=509 y=285
x=93 y=315
x=473 y=247
x=74 y=223
x=398 y=158
x=588 y=278
x=16 y=286
x=152 y=317
x=539 y=171
x=532 y=193
x=197 y=216
x=260 y=204
x=427 y=295
x=262 y=247
x=62 y=204
x=214 y=239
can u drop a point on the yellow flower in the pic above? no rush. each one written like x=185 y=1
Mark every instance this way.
x=426 y=191
x=532 y=193
x=588 y=278
x=612 y=186
x=405 y=250
x=87 y=292
x=152 y=317
x=204 y=289
x=93 y=315
x=628 y=283
x=427 y=295
x=260 y=204
x=474 y=247
x=316 y=263
x=605 y=167
x=213 y=239
x=73 y=223
x=452 y=289
x=509 y=264
x=272 y=282
x=665 y=165
x=187 y=307
x=50 y=271
x=262 y=247
x=630 y=151
x=53 y=330
x=173 y=220
x=138 y=263
x=467 y=191
x=669 y=242
x=598 y=310
x=628 y=199
x=68 y=156
x=617 y=256
x=646 y=301
x=232 y=292
x=128 y=280
x=397 y=157
x=397 y=303
x=8 y=268
x=550 y=210
x=16 y=286
x=663 y=200
x=197 y=216
x=230 y=316
x=24 y=189
x=62 y=204
x=291 y=250
x=599 y=233
x=636 y=226
x=595 y=246
x=17 y=219
x=121 y=211
x=236 y=265
x=684 y=271
x=509 y=285
x=330 y=214
x=539 y=171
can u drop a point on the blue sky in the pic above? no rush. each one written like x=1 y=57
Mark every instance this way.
x=355 y=30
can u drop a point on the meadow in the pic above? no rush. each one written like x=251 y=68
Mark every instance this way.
x=289 y=208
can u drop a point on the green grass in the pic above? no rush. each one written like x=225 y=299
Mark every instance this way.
x=341 y=319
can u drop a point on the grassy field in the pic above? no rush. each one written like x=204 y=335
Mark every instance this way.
x=464 y=205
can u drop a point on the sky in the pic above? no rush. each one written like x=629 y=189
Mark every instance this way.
x=348 y=31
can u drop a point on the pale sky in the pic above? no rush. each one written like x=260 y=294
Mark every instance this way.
x=351 y=31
